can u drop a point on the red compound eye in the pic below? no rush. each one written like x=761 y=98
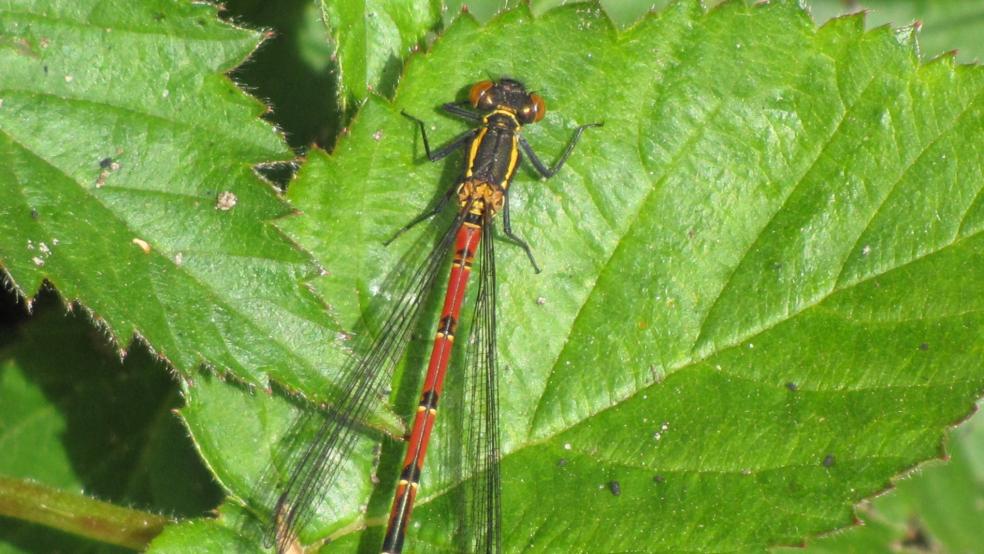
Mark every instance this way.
x=477 y=92
x=535 y=110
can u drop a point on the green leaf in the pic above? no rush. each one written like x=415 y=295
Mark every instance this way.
x=242 y=437
x=938 y=507
x=101 y=426
x=373 y=38
x=128 y=183
x=223 y=534
x=760 y=299
x=945 y=24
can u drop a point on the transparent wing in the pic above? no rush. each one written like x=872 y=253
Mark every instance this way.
x=484 y=510
x=316 y=467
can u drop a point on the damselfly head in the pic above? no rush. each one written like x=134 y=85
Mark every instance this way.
x=510 y=95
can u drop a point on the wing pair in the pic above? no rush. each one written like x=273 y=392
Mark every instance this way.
x=316 y=467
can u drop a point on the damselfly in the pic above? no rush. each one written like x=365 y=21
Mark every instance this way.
x=492 y=155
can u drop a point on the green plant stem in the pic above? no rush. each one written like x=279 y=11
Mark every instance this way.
x=78 y=515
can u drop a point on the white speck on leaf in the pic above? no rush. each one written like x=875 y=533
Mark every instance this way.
x=225 y=201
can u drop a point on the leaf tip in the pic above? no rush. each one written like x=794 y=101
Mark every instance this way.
x=906 y=36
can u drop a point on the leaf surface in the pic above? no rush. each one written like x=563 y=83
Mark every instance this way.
x=934 y=508
x=945 y=25
x=128 y=184
x=373 y=38
x=759 y=299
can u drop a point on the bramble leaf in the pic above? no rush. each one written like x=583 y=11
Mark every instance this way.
x=759 y=301
x=128 y=183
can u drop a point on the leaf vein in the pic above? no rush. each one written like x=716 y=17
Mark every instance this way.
x=902 y=174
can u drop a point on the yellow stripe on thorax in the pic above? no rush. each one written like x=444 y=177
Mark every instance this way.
x=474 y=150
x=513 y=160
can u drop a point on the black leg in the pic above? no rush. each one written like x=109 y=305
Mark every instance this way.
x=507 y=230
x=549 y=172
x=454 y=108
x=427 y=214
x=442 y=152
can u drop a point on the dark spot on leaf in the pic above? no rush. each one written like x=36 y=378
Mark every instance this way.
x=658 y=479
x=200 y=21
x=916 y=537
x=45 y=71
x=34 y=213
x=562 y=462
x=105 y=163
x=791 y=386
x=924 y=347
x=828 y=460
x=615 y=488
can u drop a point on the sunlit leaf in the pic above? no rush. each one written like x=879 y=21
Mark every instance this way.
x=759 y=299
